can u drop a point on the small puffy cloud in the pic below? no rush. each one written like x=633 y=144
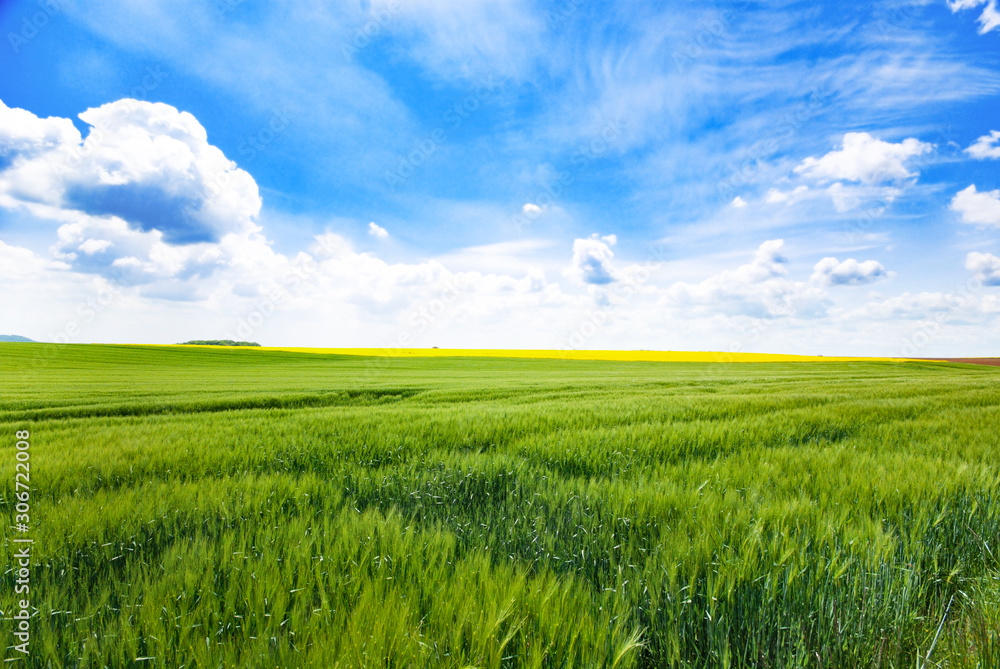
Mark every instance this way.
x=988 y=20
x=985 y=266
x=850 y=272
x=979 y=208
x=92 y=246
x=865 y=159
x=376 y=230
x=986 y=146
x=775 y=196
x=767 y=262
x=592 y=260
x=531 y=210
x=738 y=202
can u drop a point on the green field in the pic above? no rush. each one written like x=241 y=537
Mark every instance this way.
x=241 y=508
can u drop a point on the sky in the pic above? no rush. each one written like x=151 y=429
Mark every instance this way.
x=779 y=176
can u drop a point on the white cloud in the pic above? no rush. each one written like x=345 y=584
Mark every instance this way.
x=986 y=146
x=143 y=197
x=865 y=159
x=985 y=266
x=592 y=260
x=469 y=39
x=531 y=210
x=775 y=196
x=22 y=134
x=738 y=202
x=376 y=230
x=92 y=246
x=850 y=272
x=980 y=208
x=988 y=20
x=757 y=289
x=912 y=306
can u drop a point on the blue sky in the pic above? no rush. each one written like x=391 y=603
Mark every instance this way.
x=764 y=176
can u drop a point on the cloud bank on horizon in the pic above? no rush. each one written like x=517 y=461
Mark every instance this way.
x=517 y=174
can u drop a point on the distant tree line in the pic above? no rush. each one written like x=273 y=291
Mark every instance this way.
x=217 y=342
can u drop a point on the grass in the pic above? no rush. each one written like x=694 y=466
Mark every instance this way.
x=198 y=507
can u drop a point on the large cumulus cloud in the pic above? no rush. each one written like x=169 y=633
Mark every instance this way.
x=143 y=195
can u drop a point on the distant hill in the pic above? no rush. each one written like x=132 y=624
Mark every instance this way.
x=217 y=342
x=15 y=338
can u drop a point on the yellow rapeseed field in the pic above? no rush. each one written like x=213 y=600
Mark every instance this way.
x=625 y=356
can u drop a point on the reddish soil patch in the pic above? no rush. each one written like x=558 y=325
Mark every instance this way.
x=972 y=361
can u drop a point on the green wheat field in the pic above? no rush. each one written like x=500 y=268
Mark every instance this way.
x=241 y=508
